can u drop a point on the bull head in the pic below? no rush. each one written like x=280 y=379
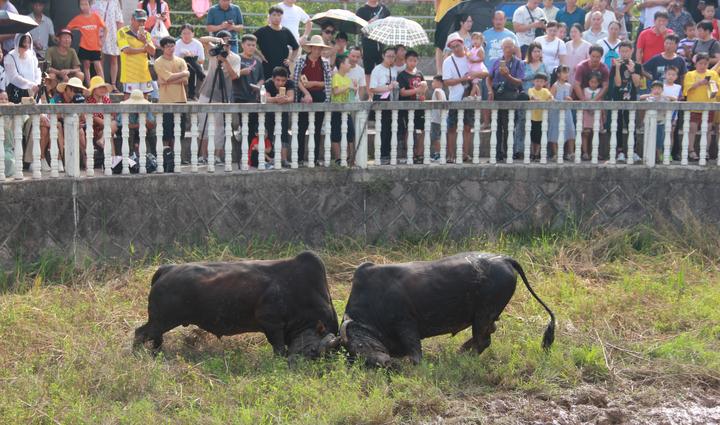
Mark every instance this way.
x=314 y=343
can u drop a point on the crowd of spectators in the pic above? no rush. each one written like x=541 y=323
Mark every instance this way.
x=586 y=50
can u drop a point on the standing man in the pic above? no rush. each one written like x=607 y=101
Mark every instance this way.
x=658 y=64
x=45 y=31
x=225 y=16
x=293 y=15
x=705 y=43
x=494 y=37
x=595 y=33
x=372 y=50
x=7 y=40
x=571 y=14
x=383 y=80
x=246 y=80
x=528 y=23
x=135 y=46
x=456 y=77
x=651 y=41
x=587 y=67
x=273 y=41
x=172 y=77
x=357 y=73
x=648 y=9
x=679 y=18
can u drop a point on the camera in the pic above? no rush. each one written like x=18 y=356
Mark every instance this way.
x=78 y=98
x=218 y=50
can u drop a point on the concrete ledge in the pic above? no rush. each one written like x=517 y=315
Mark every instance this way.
x=122 y=216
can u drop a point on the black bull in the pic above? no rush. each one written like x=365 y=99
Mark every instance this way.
x=393 y=307
x=288 y=300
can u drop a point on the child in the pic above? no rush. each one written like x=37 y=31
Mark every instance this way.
x=685 y=47
x=436 y=117
x=89 y=24
x=709 y=15
x=657 y=94
x=476 y=57
x=538 y=92
x=562 y=90
x=550 y=10
x=590 y=94
x=343 y=91
x=98 y=94
x=412 y=87
x=700 y=85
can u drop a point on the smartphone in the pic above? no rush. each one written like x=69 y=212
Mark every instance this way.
x=502 y=62
x=707 y=78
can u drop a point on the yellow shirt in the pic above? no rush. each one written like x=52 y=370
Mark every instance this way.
x=133 y=68
x=542 y=95
x=173 y=92
x=699 y=94
x=443 y=7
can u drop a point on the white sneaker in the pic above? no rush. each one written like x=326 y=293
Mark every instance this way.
x=44 y=166
x=636 y=157
x=61 y=168
x=620 y=157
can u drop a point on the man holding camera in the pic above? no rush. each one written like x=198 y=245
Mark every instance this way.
x=225 y=16
x=528 y=23
x=624 y=82
x=135 y=46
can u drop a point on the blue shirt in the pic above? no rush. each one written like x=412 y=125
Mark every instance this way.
x=217 y=16
x=493 y=44
x=577 y=17
x=517 y=70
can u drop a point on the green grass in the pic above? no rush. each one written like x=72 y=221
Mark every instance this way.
x=635 y=308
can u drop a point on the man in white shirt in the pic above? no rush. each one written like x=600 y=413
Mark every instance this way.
x=607 y=14
x=456 y=77
x=45 y=31
x=526 y=20
x=292 y=17
x=648 y=8
x=357 y=73
x=595 y=33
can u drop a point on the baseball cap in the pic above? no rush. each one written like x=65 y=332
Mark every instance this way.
x=454 y=37
x=64 y=31
x=139 y=15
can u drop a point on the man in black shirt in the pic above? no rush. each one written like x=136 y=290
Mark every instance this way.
x=412 y=87
x=372 y=50
x=657 y=65
x=246 y=80
x=625 y=78
x=273 y=41
x=280 y=90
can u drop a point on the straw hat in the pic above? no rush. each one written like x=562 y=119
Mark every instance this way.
x=74 y=82
x=136 y=98
x=316 y=41
x=97 y=82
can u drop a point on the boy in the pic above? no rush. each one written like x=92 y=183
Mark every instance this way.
x=343 y=91
x=657 y=94
x=89 y=24
x=700 y=85
x=538 y=93
x=412 y=87
x=685 y=47
x=436 y=117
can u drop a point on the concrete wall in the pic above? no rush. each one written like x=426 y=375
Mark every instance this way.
x=104 y=216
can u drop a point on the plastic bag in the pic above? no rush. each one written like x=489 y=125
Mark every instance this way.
x=158 y=32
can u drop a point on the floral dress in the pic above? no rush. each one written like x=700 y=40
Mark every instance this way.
x=111 y=13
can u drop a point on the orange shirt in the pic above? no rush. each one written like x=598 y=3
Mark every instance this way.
x=89 y=27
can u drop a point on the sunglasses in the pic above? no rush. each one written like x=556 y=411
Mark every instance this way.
x=330 y=32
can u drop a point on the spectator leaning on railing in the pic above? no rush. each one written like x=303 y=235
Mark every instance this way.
x=280 y=90
x=383 y=81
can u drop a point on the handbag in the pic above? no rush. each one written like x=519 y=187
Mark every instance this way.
x=158 y=32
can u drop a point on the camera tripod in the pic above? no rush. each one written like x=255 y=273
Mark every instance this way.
x=218 y=79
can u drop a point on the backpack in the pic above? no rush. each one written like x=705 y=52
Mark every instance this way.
x=611 y=54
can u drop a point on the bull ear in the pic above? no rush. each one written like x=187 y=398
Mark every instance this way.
x=320 y=328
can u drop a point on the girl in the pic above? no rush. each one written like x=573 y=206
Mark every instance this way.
x=111 y=13
x=21 y=69
x=590 y=94
x=343 y=91
x=562 y=90
x=90 y=25
x=476 y=57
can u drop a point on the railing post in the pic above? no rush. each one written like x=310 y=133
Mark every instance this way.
x=54 y=150
x=579 y=120
x=528 y=141
x=277 y=132
x=177 y=145
x=311 y=140
x=142 y=136
x=595 y=149
x=17 y=133
x=443 y=136
x=125 y=143
x=410 y=145
x=262 y=165
x=378 y=136
x=494 y=139
x=89 y=145
x=159 y=134
x=630 y=156
x=72 y=146
x=393 y=137
x=561 y=137
x=244 y=134
x=459 y=136
x=686 y=138
x=510 y=137
x=613 y=135
x=294 y=141
x=476 y=137
x=211 y=142
x=427 y=137
x=327 y=141
x=2 y=148
x=667 y=142
x=343 y=139
x=650 y=138
x=703 y=139
x=36 y=146
x=543 y=137
x=194 y=143
x=107 y=146
x=361 y=151
x=228 y=142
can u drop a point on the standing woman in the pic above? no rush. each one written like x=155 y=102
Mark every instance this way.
x=577 y=49
x=111 y=12
x=155 y=10
x=22 y=74
x=464 y=25
x=313 y=78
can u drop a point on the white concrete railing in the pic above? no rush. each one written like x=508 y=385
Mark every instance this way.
x=16 y=116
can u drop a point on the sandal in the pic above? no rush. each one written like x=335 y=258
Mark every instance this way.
x=692 y=156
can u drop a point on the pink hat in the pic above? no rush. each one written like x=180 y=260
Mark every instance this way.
x=452 y=38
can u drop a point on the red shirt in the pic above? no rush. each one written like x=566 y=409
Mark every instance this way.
x=716 y=31
x=651 y=43
x=314 y=72
x=105 y=100
x=583 y=71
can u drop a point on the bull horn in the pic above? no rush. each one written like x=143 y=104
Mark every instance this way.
x=330 y=342
x=343 y=329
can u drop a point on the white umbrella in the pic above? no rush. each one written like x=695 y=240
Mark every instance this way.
x=342 y=20
x=393 y=31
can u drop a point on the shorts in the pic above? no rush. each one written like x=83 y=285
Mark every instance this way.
x=89 y=55
x=143 y=87
x=452 y=118
x=696 y=117
x=434 y=131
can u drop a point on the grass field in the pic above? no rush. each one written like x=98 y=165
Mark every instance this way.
x=638 y=340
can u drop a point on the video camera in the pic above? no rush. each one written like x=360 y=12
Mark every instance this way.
x=219 y=50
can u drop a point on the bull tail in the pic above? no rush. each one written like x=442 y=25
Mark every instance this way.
x=549 y=336
x=158 y=274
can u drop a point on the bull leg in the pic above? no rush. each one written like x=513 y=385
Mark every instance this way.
x=149 y=332
x=276 y=338
x=482 y=329
x=410 y=340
